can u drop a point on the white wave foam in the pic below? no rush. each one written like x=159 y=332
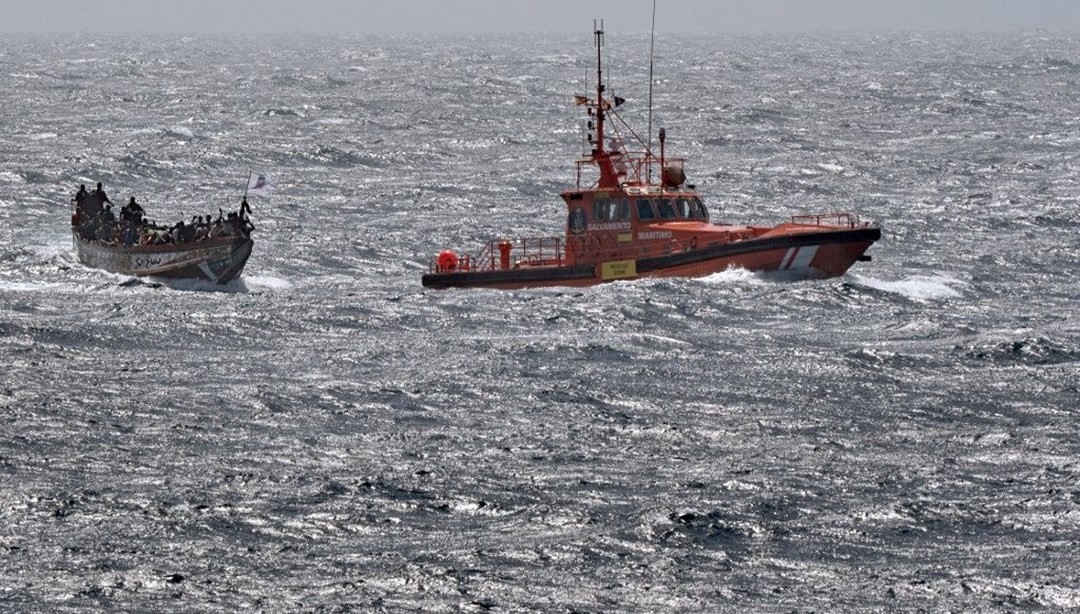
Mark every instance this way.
x=266 y=282
x=23 y=286
x=181 y=131
x=917 y=286
x=735 y=275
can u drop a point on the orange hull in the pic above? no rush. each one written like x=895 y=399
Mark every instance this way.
x=817 y=254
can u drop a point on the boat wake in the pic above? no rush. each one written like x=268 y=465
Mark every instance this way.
x=253 y=283
x=737 y=276
x=919 y=287
x=17 y=286
x=259 y=283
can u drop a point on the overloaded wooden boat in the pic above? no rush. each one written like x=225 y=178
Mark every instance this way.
x=626 y=225
x=131 y=247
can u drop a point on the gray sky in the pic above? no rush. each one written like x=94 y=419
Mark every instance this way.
x=566 y=16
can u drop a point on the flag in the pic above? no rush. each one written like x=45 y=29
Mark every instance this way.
x=580 y=100
x=259 y=183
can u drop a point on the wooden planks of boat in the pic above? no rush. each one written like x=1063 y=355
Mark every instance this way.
x=218 y=259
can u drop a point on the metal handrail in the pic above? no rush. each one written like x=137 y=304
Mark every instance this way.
x=851 y=220
x=523 y=251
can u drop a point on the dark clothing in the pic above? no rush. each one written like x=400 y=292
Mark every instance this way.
x=80 y=209
x=132 y=212
x=101 y=194
x=187 y=233
x=92 y=205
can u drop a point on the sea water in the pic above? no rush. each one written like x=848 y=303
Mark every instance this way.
x=325 y=435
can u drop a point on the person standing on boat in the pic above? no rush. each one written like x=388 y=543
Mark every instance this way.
x=94 y=203
x=78 y=199
x=243 y=219
x=100 y=192
x=81 y=194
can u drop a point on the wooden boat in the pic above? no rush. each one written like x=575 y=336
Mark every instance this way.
x=623 y=224
x=218 y=259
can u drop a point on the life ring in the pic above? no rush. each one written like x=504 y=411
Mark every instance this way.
x=447 y=261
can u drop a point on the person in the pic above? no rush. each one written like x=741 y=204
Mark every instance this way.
x=187 y=233
x=78 y=199
x=106 y=229
x=93 y=204
x=132 y=212
x=217 y=228
x=201 y=229
x=243 y=222
x=101 y=192
x=129 y=234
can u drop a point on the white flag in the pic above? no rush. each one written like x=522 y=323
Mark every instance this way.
x=259 y=183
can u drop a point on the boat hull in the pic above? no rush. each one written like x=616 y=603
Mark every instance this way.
x=817 y=254
x=218 y=260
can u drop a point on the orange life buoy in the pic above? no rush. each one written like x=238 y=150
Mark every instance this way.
x=447 y=260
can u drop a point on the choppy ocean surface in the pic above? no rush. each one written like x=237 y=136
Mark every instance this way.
x=324 y=435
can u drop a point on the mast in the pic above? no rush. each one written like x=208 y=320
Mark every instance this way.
x=608 y=177
x=599 y=34
x=648 y=149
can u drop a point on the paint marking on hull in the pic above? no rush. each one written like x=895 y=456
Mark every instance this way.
x=802 y=258
x=798 y=258
x=788 y=256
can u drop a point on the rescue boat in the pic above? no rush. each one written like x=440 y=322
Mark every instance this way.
x=632 y=215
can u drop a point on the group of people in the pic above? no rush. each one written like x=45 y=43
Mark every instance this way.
x=96 y=221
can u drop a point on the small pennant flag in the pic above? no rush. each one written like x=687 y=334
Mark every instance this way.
x=259 y=183
x=580 y=100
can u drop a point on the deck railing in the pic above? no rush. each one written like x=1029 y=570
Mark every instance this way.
x=851 y=220
x=501 y=254
x=523 y=251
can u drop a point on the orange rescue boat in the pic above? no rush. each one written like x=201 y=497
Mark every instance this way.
x=624 y=225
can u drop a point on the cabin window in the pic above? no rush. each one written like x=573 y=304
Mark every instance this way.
x=645 y=210
x=600 y=210
x=624 y=210
x=667 y=212
x=700 y=212
x=682 y=207
x=613 y=209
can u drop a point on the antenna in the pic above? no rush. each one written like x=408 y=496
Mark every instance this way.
x=652 y=36
x=599 y=34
